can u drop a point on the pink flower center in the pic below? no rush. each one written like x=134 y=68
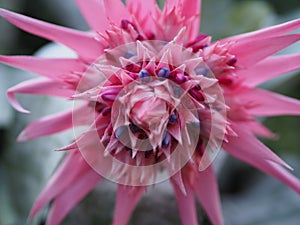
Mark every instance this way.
x=157 y=105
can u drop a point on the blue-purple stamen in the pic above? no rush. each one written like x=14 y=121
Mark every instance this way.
x=173 y=118
x=166 y=139
x=134 y=128
x=177 y=91
x=164 y=73
x=144 y=75
x=120 y=131
x=200 y=70
x=129 y=54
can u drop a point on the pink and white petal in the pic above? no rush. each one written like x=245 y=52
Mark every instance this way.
x=250 y=52
x=38 y=86
x=116 y=11
x=71 y=169
x=210 y=200
x=44 y=66
x=68 y=199
x=272 y=31
x=127 y=199
x=85 y=44
x=266 y=103
x=186 y=204
x=94 y=13
x=267 y=166
x=269 y=68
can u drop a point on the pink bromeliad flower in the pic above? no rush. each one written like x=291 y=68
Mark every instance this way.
x=154 y=100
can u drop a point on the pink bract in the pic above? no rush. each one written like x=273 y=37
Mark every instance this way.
x=154 y=95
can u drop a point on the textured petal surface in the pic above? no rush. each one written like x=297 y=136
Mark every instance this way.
x=250 y=52
x=83 y=43
x=127 y=198
x=206 y=189
x=269 y=69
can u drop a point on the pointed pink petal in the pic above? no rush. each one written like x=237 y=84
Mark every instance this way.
x=38 y=86
x=94 y=13
x=47 y=125
x=269 y=68
x=146 y=7
x=143 y=11
x=51 y=68
x=67 y=200
x=206 y=189
x=116 y=11
x=191 y=10
x=127 y=199
x=247 y=143
x=186 y=205
x=258 y=129
x=236 y=148
x=250 y=52
x=267 y=32
x=83 y=43
x=266 y=103
x=71 y=170
x=170 y=4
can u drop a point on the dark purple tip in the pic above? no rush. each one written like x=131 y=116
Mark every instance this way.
x=232 y=62
x=173 y=118
x=180 y=78
x=125 y=24
x=134 y=128
x=166 y=140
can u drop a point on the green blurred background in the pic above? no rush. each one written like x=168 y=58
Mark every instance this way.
x=248 y=196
